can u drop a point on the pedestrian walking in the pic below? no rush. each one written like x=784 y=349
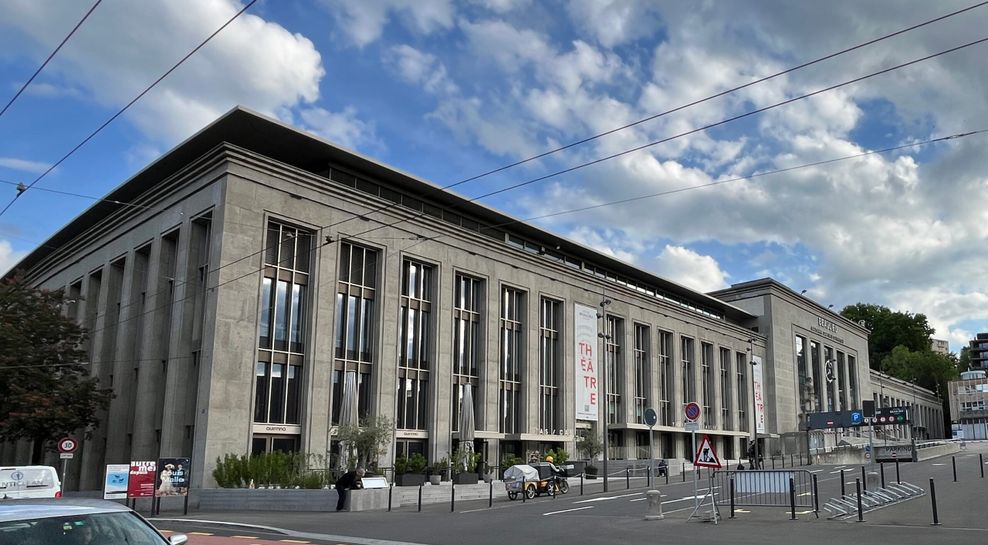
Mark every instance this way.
x=348 y=481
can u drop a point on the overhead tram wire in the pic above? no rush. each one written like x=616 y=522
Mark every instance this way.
x=50 y=57
x=643 y=120
x=125 y=108
x=685 y=106
x=422 y=239
x=698 y=129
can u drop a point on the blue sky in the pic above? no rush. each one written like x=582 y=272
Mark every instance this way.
x=446 y=90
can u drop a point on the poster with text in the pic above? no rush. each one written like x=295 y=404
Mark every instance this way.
x=756 y=373
x=587 y=399
x=115 y=482
x=140 y=483
x=173 y=477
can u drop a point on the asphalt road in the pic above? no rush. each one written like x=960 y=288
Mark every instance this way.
x=618 y=516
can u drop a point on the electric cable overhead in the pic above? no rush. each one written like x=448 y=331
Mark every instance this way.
x=422 y=239
x=129 y=104
x=685 y=106
x=319 y=231
x=50 y=57
x=698 y=129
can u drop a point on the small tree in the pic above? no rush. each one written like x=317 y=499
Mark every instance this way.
x=366 y=442
x=589 y=445
x=45 y=388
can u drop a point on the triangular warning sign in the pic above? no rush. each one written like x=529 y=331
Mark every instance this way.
x=705 y=455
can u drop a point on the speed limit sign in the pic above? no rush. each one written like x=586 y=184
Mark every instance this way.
x=67 y=444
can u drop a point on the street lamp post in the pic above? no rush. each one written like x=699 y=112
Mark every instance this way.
x=754 y=402
x=603 y=386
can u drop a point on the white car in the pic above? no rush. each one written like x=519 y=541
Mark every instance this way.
x=29 y=482
x=76 y=522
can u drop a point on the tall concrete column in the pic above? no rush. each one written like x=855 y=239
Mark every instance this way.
x=96 y=294
x=130 y=315
x=179 y=380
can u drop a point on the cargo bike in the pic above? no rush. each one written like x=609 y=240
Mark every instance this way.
x=534 y=480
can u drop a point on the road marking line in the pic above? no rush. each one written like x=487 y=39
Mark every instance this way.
x=200 y=534
x=609 y=498
x=245 y=537
x=938 y=464
x=293 y=541
x=741 y=510
x=815 y=470
x=637 y=499
x=805 y=494
x=683 y=499
x=799 y=512
x=568 y=510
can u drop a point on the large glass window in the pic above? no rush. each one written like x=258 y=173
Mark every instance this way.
x=842 y=380
x=354 y=354
x=667 y=385
x=687 y=378
x=725 y=390
x=512 y=338
x=613 y=351
x=643 y=384
x=852 y=376
x=550 y=356
x=415 y=342
x=468 y=298
x=741 y=372
x=815 y=367
x=830 y=376
x=707 y=383
x=282 y=325
x=805 y=383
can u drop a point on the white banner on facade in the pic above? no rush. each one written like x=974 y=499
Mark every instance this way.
x=756 y=374
x=585 y=326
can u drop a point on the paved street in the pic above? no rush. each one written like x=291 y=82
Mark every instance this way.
x=617 y=517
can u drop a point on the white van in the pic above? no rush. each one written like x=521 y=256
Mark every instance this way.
x=29 y=482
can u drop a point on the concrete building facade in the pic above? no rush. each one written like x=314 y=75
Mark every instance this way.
x=979 y=352
x=262 y=287
x=969 y=405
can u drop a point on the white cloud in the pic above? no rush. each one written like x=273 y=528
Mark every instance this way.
x=24 y=165
x=691 y=269
x=421 y=69
x=343 y=128
x=125 y=46
x=8 y=257
x=363 y=22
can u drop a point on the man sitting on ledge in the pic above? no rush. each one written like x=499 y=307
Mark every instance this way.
x=349 y=480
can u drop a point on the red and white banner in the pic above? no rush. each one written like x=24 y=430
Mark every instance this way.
x=585 y=335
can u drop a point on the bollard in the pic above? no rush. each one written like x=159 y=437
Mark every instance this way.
x=857 y=483
x=452 y=496
x=782 y=458
x=864 y=479
x=773 y=462
x=732 y=498
x=981 y=462
x=490 y=495
x=648 y=475
x=792 y=499
x=883 y=473
x=524 y=491
x=791 y=464
x=953 y=461
x=933 y=499
x=581 y=484
x=654 y=505
x=682 y=471
x=843 y=491
x=898 y=479
x=420 y=498
x=391 y=490
x=667 y=474
x=627 y=478
x=816 y=497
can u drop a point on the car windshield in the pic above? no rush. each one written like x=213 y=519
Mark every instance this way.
x=101 y=529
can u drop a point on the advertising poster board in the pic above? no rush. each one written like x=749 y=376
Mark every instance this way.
x=585 y=336
x=115 y=481
x=140 y=483
x=173 y=477
x=756 y=372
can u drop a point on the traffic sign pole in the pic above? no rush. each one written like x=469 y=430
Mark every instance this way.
x=651 y=418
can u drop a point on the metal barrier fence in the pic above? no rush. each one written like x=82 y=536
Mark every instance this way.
x=764 y=488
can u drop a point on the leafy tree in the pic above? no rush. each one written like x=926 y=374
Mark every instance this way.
x=890 y=329
x=45 y=388
x=964 y=361
x=367 y=441
x=927 y=369
x=589 y=444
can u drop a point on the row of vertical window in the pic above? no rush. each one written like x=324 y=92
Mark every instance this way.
x=827 y=380
x=282 y=336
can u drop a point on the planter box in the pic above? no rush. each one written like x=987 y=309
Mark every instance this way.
x=410 y=479
x=465 y=478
